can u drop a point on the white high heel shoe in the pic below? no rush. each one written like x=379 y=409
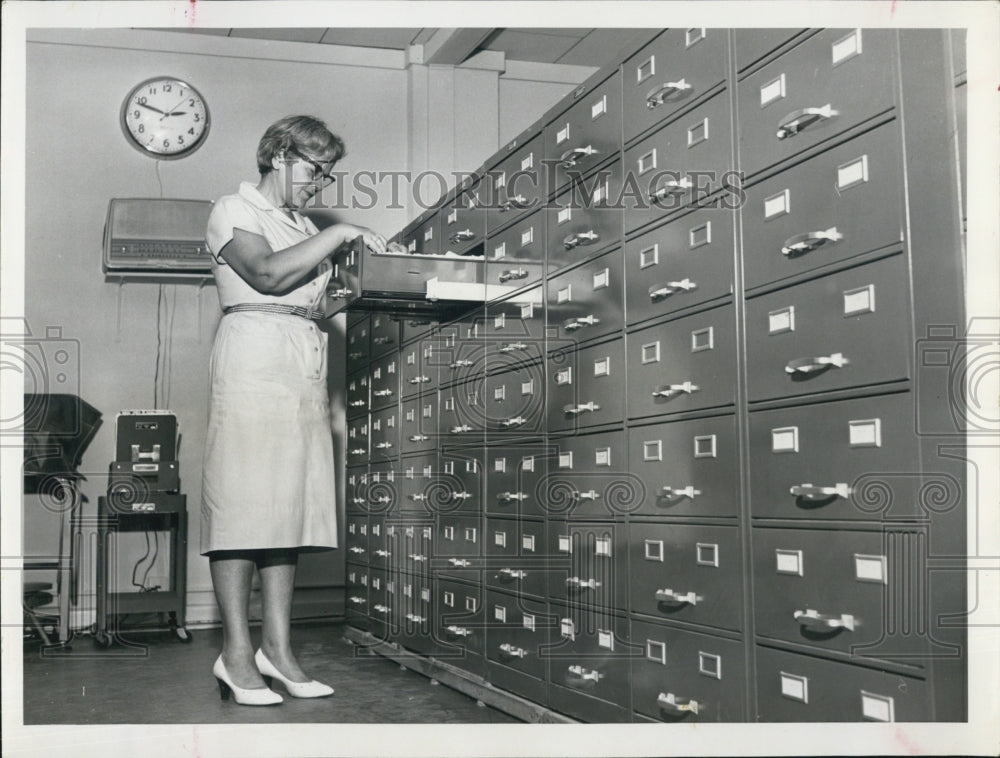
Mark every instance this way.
x=256 y=696
x=296 y=689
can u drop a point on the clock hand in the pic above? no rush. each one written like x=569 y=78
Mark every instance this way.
x=149 y=107
x=170 y=112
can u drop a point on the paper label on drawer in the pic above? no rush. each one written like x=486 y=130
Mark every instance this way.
x=528 y=387
x=412 y=246
x=697 y=133
x=565 y=544
x=528 y=162
x=500 y=180
x=700 y=235
x=471 y=604
x=500 y=464
x=702 y=339
x=710 y=665
x=390 y=422
x=795 y=687
x=865 y=432
x=788 y=562
x=599 y=108
x=646 y=162
x=602 y=456
x=649 y=256
x=565 y=294
x=449 y=468
x=528 y=463
x=411 y=415
x=785 y=440
x=471 y=534
x=653 y=550
x=499 y=613
x=500 y=251
x=605 y=639
x=449 y=403
x=656 y=651
x=566 y=460
x=704 y=446
x=499 y=393
x=500 y=539
x=850 y=174
x=529 y=621
x=781 y=320
x=408 y=590
x=693 y=36
x=428 y=411
x=452 y=216
x=602 y=367
x=566 y=629
x=846 y=47
x=870 y=568
x=564 y=215
x=772 y=90
x=351 y=528
x=564 y=376
x=860 y=300
x=429 y=234
x=645 y=70
x=562 y=135
x=411 y=359
x=652 y=450
x=449 y=533
x=528 y=236
x=602 y=547
x=877 y=707
x=527 y=311
x=528 y=543
x=449 y=599
x=777 y=205
x=602 y=279
x=707 y=554
x=425 y=595
x=376 y=583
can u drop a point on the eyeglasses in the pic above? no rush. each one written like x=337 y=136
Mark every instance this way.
x=319 y=175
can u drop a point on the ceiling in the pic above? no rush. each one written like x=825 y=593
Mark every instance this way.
x=569 y=46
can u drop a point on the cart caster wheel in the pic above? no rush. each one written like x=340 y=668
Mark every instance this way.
x=182 y=634
x=103 y=640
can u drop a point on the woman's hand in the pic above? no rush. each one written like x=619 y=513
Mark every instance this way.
x=372 y=239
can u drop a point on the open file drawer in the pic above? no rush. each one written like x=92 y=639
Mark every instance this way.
x=407 y=283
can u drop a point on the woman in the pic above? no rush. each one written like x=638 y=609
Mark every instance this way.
x=268 y=489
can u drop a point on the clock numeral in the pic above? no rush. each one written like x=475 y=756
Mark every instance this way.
x=191 y=103
x=142 y=128
x=141 y=100
x=166 y=143
x=180 y=139
x=197 y=117
x=136 y=114
x=191 y=131
x=168 y=88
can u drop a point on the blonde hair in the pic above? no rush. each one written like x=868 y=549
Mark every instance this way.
x=302 y=134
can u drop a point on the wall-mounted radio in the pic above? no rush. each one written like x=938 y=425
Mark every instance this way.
x=150 y=236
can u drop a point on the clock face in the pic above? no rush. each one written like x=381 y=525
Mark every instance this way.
x=165 y=117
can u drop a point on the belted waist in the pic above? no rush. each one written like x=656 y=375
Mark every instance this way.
x=287 y=310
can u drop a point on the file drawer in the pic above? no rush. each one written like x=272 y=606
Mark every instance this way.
x=418 y=371
x=683 y=365
x=516 y=555
x=514 y=331
x=421 y=235
x=515 y=403
x=459 y=484
x=585 y=219
x=585 y=387
x=849 y=329
x=459 y=546
x=460 y=414
x=357 y=441
x=356 y=490
x=679 y=675
x=415 y=478
x=357 y=604
x=517 y=633
x=420 y=423
x=679 y=264
x=515 y=257
x=793 y=687
x=385 y=434
x=385 y=381
x=751 y=45
x=845 y=201
x=514 y=186
x=416 y=547
x=849 y=591
x=385 y=334
x=462 y=352
x=676 y=68
x=460 y=625
x=687 y=573
x=514 y=475
x=378 y=604
x=589 y=665
x=588 y=478
x=463 y=223
x=383 y=489
x=682 y=163
x=383 y=544
x=357 y=539
x=586 y=302
x=357 y=394
x=416 y=614
x=852 y=459
x=687 y=468
x=359 y=347
x=587 y=134
x=588 y=563
x=415 y=327
x=812 y=93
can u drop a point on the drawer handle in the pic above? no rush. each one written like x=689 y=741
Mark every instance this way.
x=518 y=201
x=819 y=363
x=812 y=492
x=816 y=620
x=516 y=421
x=590 y=495
x=358 y=451
x=382 y=340
x=417 y=557
x=676 y=598
x=356 y=550
x=459 y=562
x=380 y=609
x=463 y=236
x=580 y=238
x=460 y=495
x=508 y=496
x=382 y=393
x=357 y=403
x=383 y=445
x=512 y=573
x=671 y=187
x=338 y=294
x=672 y=390
x=510 y=347
x=355 y=355
x=419 y=379
x=384 y=499
x=798 y=120
x=461 y=429
x=574 y=409
x=514 y=273
x=583 y=584
x=415 y=618
x=586 y=675
x=658 y=292
x=571 y=157
x=804 y=243
x=672 y=493
x=670 y=702
x=658 y=95
x=460 y=364
x=417 y=497
x=571 y=325
x=358 y=500
x=418 y=437
x=357 y=600
x=513 y=652
x=382 y=553
x=458 y=631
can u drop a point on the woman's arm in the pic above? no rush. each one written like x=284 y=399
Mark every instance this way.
x=274 y=272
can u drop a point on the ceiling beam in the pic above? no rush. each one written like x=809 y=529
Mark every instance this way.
x=452 y=46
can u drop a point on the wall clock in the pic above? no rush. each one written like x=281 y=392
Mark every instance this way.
x=165 y=117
